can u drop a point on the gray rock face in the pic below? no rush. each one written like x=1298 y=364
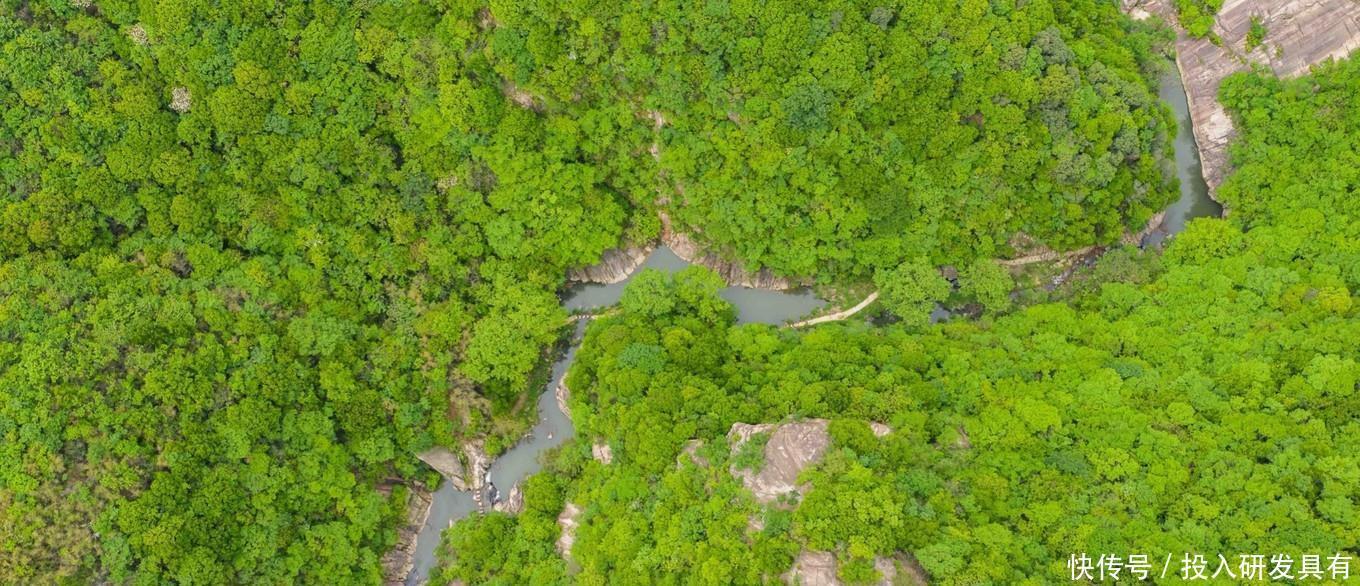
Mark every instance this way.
x=818 y=568
x=792 y=447
x=691 y=451
x=513 y=504
x=562 y=393
x=615 y=265
x=1300 y=34
x=469 y=476
x=731 y=272
x=446 y=463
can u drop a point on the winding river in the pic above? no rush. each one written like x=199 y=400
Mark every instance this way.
x=753 y=306
x=554 y=427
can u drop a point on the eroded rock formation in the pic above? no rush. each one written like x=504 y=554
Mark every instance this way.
x=732 y=272
x=615 y=265
x=1300 y=34
x=465 y=472
x=790 y=449
x=513 y=504
x=901 y=568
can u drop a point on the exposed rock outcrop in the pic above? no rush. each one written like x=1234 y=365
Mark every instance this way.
x=568 y=520
x=397 y=562
x=901 y=568
x=818 y=568
x=181 y=100
x=602 y=453
x=813 y=568
x=791 y=448
x=513 y=504
x=562 y=393
x=732 y=272
x=1300 y=34
x=446 y=463
x=879 y=429
x=465 y=472
x=615 y=265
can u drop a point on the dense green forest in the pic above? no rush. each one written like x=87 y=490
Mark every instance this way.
x=836 y=138
x=1211 y=409
x=255 y=255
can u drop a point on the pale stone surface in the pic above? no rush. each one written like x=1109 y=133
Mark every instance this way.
x=447 y=464
x=138 y=34
x=813 y=568
x=791 y=448
x=731 y=272
x=879 y=429
x=691 y=450
x=602 y=453
x=562 y=393
x=1300 y=34
x=180 y=100
x=469 y=476
x=512 y=504
x=568 y=520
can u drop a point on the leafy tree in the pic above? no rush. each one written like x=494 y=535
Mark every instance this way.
x=911 y=291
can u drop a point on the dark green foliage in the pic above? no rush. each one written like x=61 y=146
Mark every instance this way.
x=911 y=290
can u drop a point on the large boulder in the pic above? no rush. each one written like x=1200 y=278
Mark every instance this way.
x=813 y=568
x=466 y=471
x=790 y=449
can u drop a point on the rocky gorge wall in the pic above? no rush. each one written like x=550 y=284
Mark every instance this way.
x=1299 y=34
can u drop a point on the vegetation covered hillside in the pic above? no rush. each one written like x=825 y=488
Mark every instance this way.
x=253 y=256
x=835 y=138
x=1212 y=410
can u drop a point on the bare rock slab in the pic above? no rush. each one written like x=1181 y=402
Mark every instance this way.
x=813 y=568
x=791 y=448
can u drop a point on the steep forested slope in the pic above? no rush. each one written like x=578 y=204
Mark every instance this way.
x=254 y=257
x=1212 y=410
x=838 y=137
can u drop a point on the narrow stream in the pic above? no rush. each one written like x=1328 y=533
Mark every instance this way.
x=753 y=306
x=554 y=427
x=1194 y=201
